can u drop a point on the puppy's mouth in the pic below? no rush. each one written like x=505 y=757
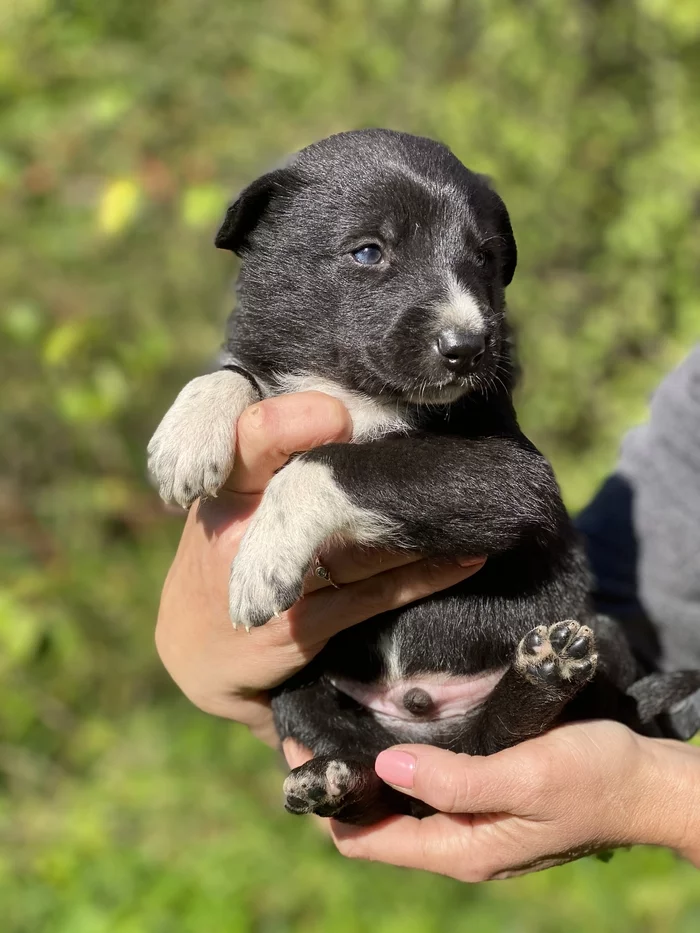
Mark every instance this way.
x=457 y=363
x=444 y=394
x=445 y=390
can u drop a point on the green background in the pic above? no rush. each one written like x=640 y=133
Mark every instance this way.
x=125 y=128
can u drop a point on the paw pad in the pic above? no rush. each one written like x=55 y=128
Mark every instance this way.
x=559 y=654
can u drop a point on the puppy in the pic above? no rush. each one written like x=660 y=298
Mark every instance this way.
x=374 y=269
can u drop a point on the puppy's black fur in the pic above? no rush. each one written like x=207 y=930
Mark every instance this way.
x=374 y=267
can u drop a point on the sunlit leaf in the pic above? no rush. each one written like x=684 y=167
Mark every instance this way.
x=64 y=341
x=118 y=205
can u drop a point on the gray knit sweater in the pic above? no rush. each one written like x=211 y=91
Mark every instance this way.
x=661 y=463
x=642 y=532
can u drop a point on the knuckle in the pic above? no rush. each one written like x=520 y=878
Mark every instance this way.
x=204 y=702
x=537 y=778
x=475 y=874
x=350 y=848
x=382 y=591
x=450 y=795
x=364 y=560
x=285 y=633
x=476 y=863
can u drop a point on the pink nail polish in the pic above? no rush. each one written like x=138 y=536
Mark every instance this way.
x=396 y=767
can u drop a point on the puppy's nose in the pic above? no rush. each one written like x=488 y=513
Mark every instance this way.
x=461 y=351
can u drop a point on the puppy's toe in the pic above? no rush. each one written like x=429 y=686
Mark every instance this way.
x=320 y=786
x=558 y=655
x=184 y=474
x=191 y=453
x=260 y=588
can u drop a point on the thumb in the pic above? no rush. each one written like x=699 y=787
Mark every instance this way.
x=269 y=432
x=506 y=782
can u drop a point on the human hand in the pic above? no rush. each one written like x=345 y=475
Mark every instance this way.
x=227 y=672
x=568 y=793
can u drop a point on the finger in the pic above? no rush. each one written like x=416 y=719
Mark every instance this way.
x=269 y=432
x=455 y=783
x=439 y=843
x=295 y=753
x=318 y=616
x=350 y=564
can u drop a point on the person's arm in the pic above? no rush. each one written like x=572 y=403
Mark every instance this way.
x=576 y=790
x=229 y=673
x=642 y=529
x=661 y=462
x=642 y=535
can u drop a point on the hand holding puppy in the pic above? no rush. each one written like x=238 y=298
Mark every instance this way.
x=510 y=813
x=571 y=792
x=226 y=672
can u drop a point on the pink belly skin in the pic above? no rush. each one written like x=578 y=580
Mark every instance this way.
x=451 y=696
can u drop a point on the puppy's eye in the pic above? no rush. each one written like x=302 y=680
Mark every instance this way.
x=368 y=255
x=480 y=257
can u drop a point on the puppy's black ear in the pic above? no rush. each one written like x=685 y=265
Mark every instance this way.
x=248 y=209
x=508 y=250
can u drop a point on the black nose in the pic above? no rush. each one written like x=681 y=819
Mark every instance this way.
x=462 y=352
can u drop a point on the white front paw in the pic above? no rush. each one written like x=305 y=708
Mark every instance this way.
x=265 y=580
x=191 y=453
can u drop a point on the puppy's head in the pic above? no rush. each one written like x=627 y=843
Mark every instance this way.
x=376 y=259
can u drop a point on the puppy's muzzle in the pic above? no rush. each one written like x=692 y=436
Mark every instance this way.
x=461 y=352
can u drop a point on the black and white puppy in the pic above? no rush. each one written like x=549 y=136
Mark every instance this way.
x=374 y=269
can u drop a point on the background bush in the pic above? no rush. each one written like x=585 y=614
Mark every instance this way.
x=126 y=127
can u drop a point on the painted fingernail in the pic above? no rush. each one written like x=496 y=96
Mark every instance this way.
x=396 y=767
x=469 y=561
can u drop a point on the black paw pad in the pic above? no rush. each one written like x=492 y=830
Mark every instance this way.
x=559 y=655
x=560 y=634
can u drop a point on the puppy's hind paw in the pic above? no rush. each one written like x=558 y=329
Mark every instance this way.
x=560 y=655
x=323 y=786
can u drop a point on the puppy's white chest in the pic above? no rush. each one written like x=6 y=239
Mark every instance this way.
x=372 y=418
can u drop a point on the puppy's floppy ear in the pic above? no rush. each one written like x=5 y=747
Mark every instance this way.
x=247 y=210
x=508 y=250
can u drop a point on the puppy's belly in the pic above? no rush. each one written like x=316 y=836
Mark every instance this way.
x=422 y=700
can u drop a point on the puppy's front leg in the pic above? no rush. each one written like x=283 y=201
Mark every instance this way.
x=302 y=508
x=191 y=453
x=445 y=496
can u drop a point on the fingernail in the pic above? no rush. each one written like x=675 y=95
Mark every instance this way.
x=396 y=767
x=469 y=561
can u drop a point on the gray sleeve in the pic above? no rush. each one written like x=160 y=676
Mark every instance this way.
x=661 y=463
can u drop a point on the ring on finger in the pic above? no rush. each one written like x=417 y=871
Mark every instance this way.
x=324 y=573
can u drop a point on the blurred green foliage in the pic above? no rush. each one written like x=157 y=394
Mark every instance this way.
x=125 y=127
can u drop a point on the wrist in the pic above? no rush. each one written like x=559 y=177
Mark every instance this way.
x=672 y=808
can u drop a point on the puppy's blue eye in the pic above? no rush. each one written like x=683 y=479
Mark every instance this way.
x=368 y=255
